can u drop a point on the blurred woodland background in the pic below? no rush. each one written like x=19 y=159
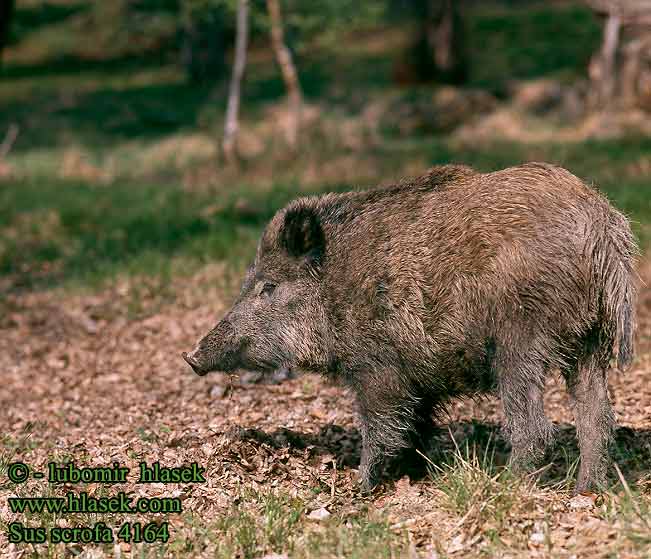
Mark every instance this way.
x=206 y=105
x=144 y=144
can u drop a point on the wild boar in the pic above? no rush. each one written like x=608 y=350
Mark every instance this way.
x=452 y=284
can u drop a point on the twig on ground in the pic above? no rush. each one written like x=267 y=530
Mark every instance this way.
x=540 y=470
x=629 y=493
x=412 y=521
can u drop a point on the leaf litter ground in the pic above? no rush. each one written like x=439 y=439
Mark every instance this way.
x=87 y=379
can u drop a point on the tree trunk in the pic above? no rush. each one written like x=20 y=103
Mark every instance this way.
x=288 y=70
x=446 y=40
x=603 y=71
x=231 y=125
x=7 y=8
x=440 y=35
x=620 y=72
x=630 y=72
x=438 y=52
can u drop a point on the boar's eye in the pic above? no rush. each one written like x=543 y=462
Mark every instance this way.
x=267 y=289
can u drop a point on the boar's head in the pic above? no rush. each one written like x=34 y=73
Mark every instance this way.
x=279 y=318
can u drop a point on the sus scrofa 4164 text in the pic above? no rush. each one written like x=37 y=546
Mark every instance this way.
x=130 y=532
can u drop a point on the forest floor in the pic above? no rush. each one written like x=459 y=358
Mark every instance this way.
x=84 y=382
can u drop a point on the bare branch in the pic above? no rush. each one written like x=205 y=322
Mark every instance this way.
x=288 y=70
x=602 y=67
x=8 y=142
x=231 y=125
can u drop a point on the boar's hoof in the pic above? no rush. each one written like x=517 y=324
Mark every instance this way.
x=366 y=486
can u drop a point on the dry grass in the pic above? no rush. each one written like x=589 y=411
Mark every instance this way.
x=513 y=124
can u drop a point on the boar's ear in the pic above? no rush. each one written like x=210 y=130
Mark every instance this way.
x=302 y=235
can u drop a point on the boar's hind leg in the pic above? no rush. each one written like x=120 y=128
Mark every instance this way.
x=587 y=383
x=521 y=388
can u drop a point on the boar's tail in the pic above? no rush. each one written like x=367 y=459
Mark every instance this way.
x=615 y=257
x=625 y=321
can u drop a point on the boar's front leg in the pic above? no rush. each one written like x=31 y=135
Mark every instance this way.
x=372 y=458
x=385 y=424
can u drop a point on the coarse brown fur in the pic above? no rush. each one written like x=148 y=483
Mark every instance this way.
x=454 y=283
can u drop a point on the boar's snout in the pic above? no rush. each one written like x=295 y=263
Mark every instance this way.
x=217 y=351
x=190 y=360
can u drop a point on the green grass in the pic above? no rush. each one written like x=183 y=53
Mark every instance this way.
x=69 y=231
x=60 y=231
x=273 y=523
x=65 y=230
